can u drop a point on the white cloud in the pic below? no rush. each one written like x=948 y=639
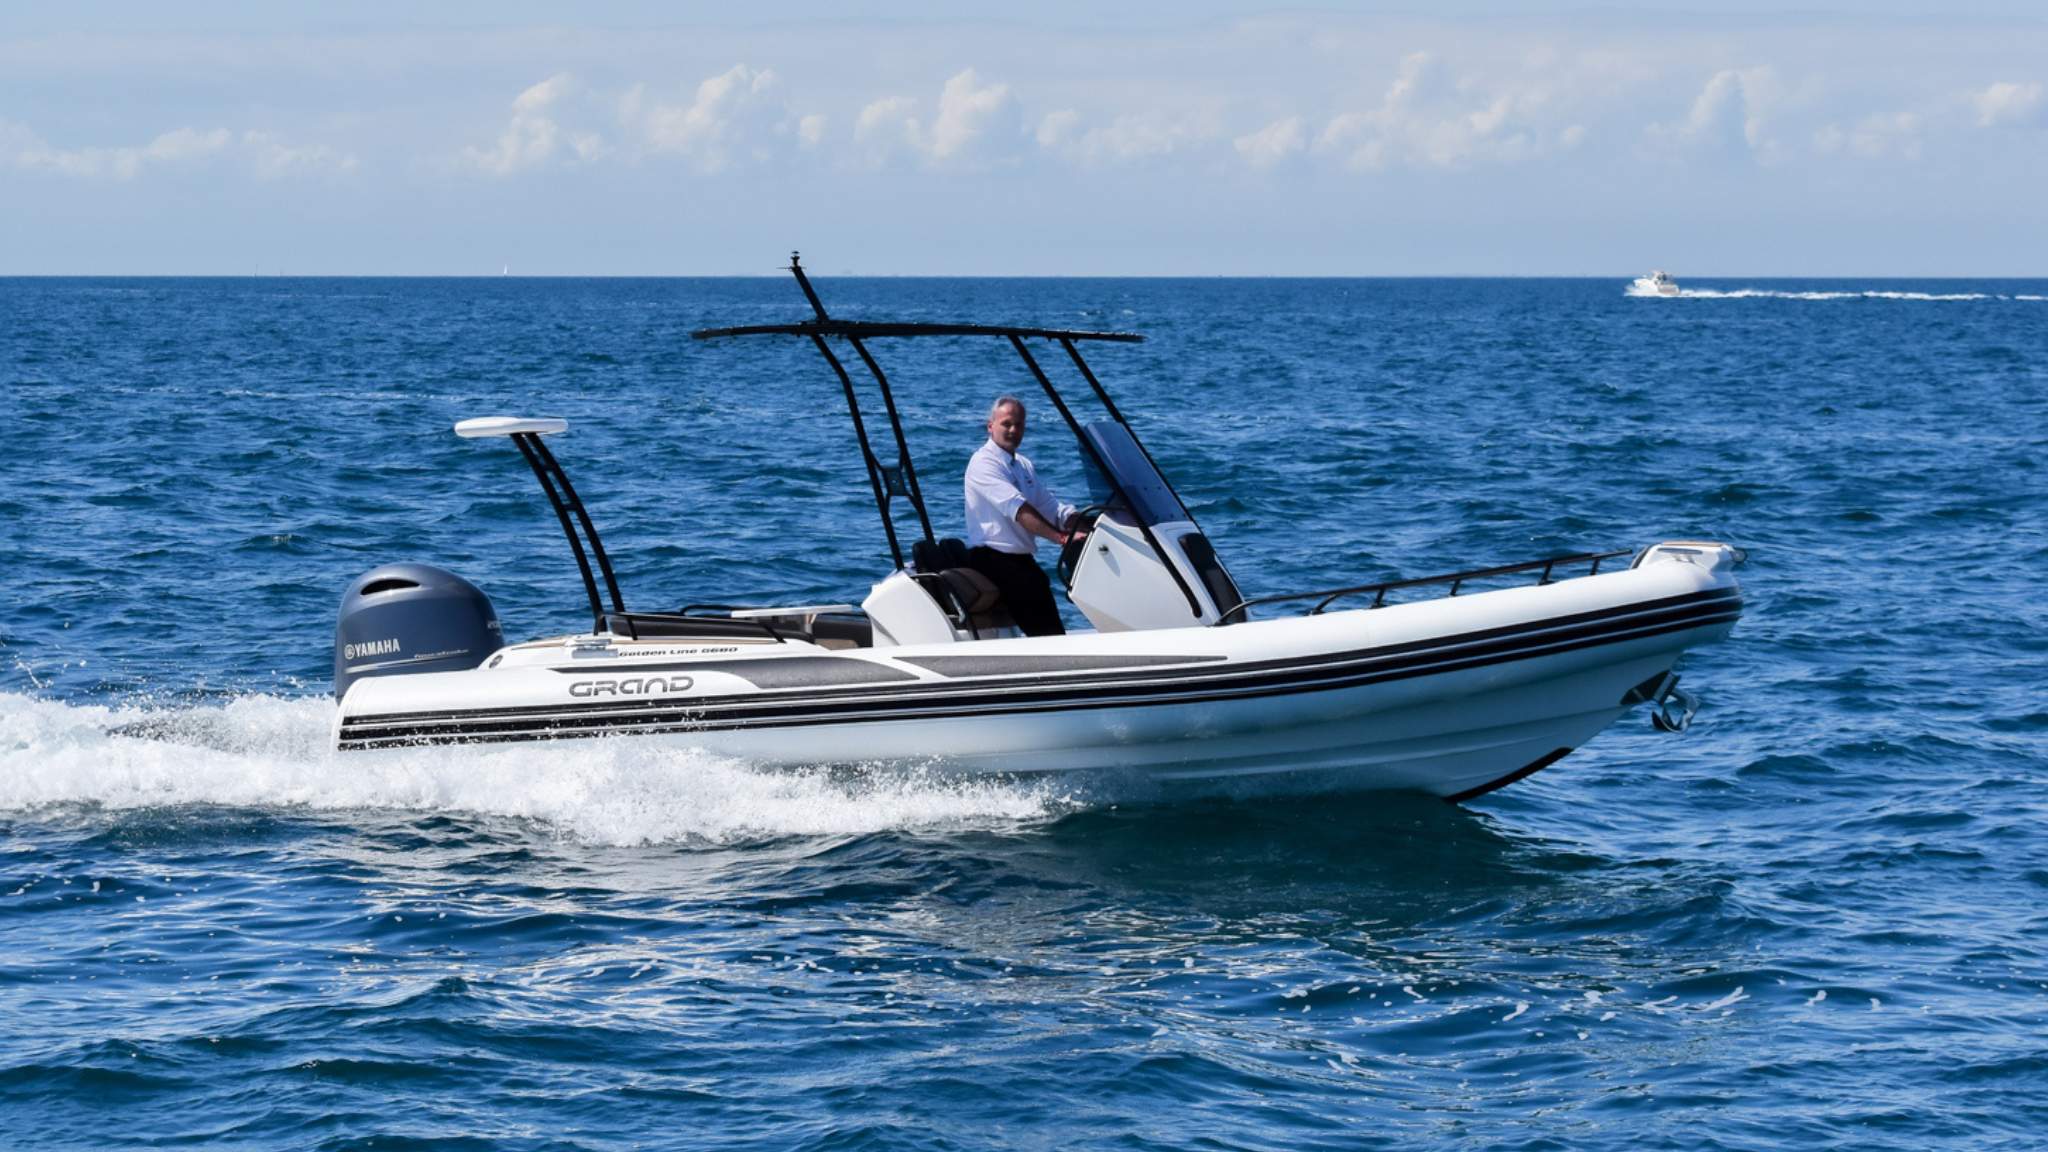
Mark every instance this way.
x=275 y=159
x=1408 y=81
x=731 y=117
x=1428 y=119
x=1289 y=94
x=1727 y=114
x=1721 y=101
x=1054 y=127
x=1874 y=137
x=537 y=99
x=1137 y=136
x=886 y=125
x=25 y=150
x=269 y=155
x=970 y=113
x=882 y=116
x=530 y=136
x=731 y=114
x=186 y=143
x=15 y=141
x=1273 y=143
x=179 y=144
x=2007 y=102
x=964 y=111
x=1128 y=137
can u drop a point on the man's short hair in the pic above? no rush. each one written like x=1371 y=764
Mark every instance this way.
x=1004 y=401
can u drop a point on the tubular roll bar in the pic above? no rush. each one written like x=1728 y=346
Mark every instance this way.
x=903 y=460
x=1325 y=597
x=904 y=483
x=586 y=546
x=562 y=495
x=867 y=452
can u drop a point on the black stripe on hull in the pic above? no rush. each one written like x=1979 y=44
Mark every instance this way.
x=480 y=727
x=1671 y=610
x=749 y=712
x=969 y=666
x=775 y=672
x=1529 y=769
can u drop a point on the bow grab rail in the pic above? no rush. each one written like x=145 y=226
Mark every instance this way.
x=1327 y=596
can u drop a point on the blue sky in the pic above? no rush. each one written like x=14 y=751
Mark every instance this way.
x=1734 y=139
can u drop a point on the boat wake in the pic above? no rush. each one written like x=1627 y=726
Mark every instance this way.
x=1867 y=294
x=271 y=752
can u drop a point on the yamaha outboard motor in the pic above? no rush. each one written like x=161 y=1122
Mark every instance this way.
x=405 y=618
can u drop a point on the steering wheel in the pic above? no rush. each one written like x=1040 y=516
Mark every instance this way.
x=1070 y=552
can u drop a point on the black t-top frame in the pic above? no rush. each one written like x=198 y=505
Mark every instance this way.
x=889 y=483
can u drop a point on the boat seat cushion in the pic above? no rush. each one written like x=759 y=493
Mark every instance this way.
x=973 y=592
x=836 y=630
x=968 y=597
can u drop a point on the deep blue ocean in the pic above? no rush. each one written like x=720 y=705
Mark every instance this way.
x=1818 y=919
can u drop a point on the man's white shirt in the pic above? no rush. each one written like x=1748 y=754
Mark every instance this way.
x=998 y=484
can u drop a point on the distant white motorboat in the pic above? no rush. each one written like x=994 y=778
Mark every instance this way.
x=1655 y=284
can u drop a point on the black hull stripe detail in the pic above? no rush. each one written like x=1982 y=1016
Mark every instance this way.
x=707 y=712
x=1529 y=769
x=967 y=666
x=1716 y=602
x=685 y=723
x=775 y=672
x=459 y=729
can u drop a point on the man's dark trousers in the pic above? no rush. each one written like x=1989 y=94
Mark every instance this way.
x=1027 y=594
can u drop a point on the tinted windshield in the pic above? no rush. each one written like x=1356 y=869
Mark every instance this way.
x=1151 y=499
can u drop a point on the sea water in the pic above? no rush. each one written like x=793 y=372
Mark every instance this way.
x=1815 y=919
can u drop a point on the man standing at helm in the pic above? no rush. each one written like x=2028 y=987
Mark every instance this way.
x=1008 y=512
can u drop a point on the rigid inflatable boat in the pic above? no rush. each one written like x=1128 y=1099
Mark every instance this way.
x=1452 y=685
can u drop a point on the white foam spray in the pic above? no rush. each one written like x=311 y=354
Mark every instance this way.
x=1774 y=294
x=266 y=751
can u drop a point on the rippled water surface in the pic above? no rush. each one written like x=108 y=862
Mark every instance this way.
x=1816 y=919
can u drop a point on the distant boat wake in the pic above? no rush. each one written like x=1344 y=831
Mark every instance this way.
x=1867 y=294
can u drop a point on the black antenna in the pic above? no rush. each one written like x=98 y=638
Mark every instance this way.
x=804 y=282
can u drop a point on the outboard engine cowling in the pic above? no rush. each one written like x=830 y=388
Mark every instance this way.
x=404 y=618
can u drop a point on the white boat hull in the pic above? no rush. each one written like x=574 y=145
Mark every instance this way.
x=1450 y=697
x=1445 y=735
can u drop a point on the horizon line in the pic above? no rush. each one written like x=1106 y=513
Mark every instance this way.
x=780 y=272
